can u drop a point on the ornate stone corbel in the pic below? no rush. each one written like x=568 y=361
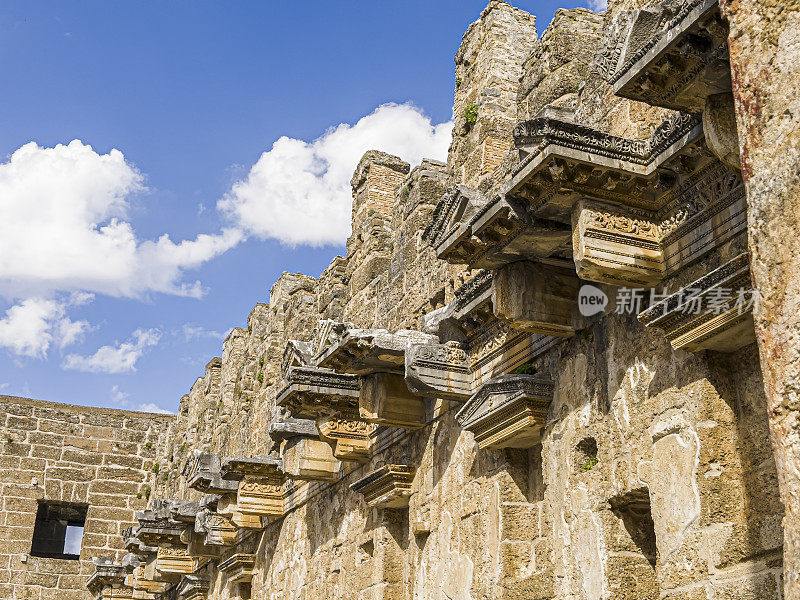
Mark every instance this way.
x=539 y=298
x=379 y=358
x=713 y=313
x=386 y=487
x=508 y=412
x=175 y=559
x=108 y=581
x=439 y=370
x=261 y=487
x=616 y=247
x=217 y=529
x=202 y=472
x=192 y=587
x=305 y=455
x=238 y=568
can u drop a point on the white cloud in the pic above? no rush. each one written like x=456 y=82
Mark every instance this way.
x=119 y=358
x=153 y=408
x=190 y=332
x=122 y=400
x=598 y=5
x=299 y=192
x=62 y=228
x=30 y=327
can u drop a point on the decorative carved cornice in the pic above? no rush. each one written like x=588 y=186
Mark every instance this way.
x=508 y=411
x=192 y=587
x=238 y=467
x=107 y=573
x=238 y=567
x=668 y=56
x=541 y=133
x=438 y=370
x=203 y=473
x=712 y=313
x=218 y=530
x=312 y=391
x=387 y=487
x=365 y=351
x=290 y=428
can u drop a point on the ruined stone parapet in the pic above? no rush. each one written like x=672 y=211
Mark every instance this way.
x=488 y=70
x=557 y=67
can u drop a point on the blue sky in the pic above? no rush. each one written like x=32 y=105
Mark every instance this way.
x=174 y=105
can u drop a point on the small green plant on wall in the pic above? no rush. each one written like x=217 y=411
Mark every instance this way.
x=471 y=114
x=589 y=463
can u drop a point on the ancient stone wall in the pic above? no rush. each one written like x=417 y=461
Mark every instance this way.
x=106 y=460
x=433 y=417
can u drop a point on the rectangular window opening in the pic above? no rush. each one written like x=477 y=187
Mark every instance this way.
x=58 y=531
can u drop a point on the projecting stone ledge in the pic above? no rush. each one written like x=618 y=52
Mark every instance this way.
x=312 y=391
x=108 y=581
x=192 y=587
x=673 y=55
x=238 y=568
x=508 y=412
x=713 y=313
x=238 y=467
x=439 y=370
x=365 y=351
x=203 y=473
x=387 y=487
x=305 y=455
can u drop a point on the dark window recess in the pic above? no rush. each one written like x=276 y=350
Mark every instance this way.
x=58 y=531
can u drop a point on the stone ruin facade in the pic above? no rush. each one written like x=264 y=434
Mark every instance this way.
x=441 y=414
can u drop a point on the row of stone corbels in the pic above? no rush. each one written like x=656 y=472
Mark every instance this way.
x=584 y=205
x=378 y=378
x=175 y=539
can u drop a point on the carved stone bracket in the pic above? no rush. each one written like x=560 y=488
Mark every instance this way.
x=217 y=529
x=386 y=400
x=713 y=313
x=262 y=497
x=668 y=56
x=203 y=473
x=351 y=437
x=508 y=412
x=192 y=587
x=387 y=487
x=313 y=391
x=365 y=351
x=537 y=297
x=108 y=581
x=439 y=370
x=161 y=524
x=261 y=485
x=238 y=568
x=175 y=559
x=379 y=358
x=305 y=455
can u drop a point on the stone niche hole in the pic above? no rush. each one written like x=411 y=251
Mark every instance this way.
x=586 y=454
x=633 y=508
x=58 y=531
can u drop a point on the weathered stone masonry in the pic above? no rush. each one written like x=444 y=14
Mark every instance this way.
x=433 y=417
x=71 y=455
